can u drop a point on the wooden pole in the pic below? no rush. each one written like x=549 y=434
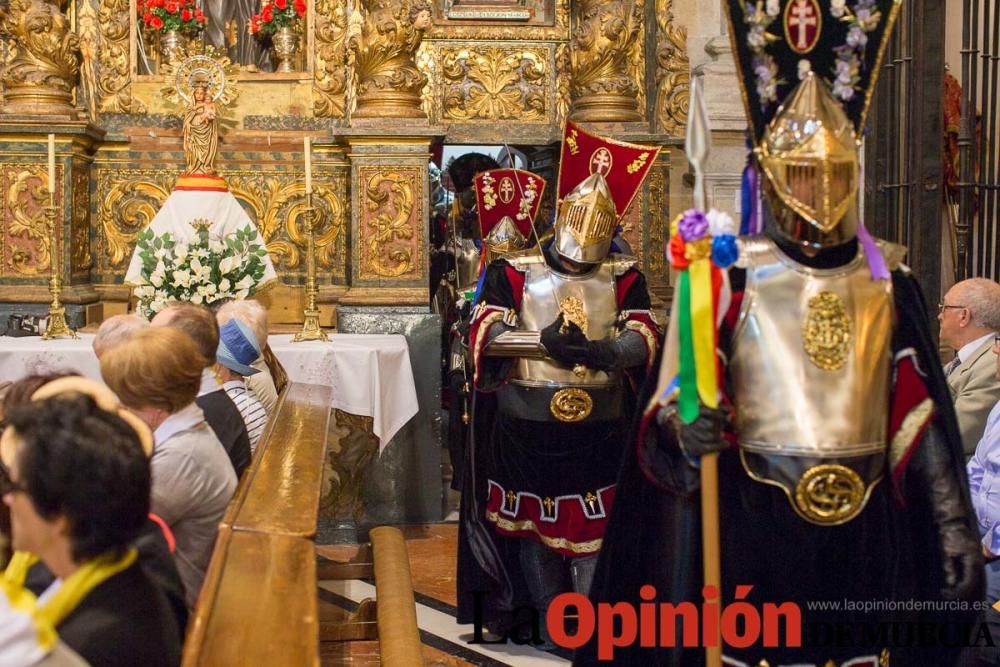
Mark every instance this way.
x=710 y=551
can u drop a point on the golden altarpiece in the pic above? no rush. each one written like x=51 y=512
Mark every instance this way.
x=375 y=84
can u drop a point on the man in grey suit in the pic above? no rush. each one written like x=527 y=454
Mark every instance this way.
x=970 y=317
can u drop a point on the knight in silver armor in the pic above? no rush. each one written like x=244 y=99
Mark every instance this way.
x=840 y=465
x=555 y=335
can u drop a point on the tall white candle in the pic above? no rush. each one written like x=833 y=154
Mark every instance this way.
x=52 y=169
x=307 y=145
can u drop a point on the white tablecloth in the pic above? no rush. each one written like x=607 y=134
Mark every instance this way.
x=370 y=375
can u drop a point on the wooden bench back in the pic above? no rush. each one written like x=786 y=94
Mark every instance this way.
x=258 y=604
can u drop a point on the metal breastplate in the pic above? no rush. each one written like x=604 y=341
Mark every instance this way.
x=810 y=366
x=590 y=297
x=466 y=263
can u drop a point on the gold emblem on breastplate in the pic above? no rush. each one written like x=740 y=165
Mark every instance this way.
x=571 y=405
x=826 y=331
x=829 y=494
x=572 y=310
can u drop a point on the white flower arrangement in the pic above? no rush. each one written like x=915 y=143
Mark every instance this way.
x=202 y=271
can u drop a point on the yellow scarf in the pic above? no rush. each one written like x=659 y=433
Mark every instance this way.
x=72 y=591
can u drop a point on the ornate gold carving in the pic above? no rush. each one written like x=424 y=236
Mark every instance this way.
x=127 y=205
x=278 y=205
x=330 y=82
x=562 y=83
x=44 y=63
x=114 y=83
x=352 y=446
x=80 y=258
x=606 y=57
x=275 y=201
x=829 y=494
x=673 y=71
x=26 y=236
x=388 y=243
x=495 y=83
x=86 y=22
x=571 y=405
x=388 y=81
x=659 y=229
x=826 y=331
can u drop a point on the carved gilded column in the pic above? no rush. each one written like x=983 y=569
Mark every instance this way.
x=330 y=79
x=388 y=83
x=606 y=56
x=673 y=71
x=389 y=216
x=44 y=61
x=25 y=246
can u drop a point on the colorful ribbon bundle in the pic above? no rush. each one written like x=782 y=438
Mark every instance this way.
x=701 y=247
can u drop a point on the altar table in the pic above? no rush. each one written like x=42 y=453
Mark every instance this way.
x=370 y=374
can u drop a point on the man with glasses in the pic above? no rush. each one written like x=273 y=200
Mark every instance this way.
x=970 y=316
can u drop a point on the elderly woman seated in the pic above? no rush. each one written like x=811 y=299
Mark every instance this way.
x=198 y=322
x=154 y=542
x=264 y=385
x=77 y=482
x=238 y=349
x=156 y=374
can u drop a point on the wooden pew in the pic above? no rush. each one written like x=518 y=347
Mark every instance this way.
x=258 y=604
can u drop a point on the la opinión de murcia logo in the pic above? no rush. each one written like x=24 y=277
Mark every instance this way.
x=655 y=624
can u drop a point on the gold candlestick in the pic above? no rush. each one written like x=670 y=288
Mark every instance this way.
x=57 y=327
x=311 y=329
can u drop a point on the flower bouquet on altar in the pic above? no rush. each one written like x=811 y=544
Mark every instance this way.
x=166 y=15
x=171 y=21
x=201 y=270
x=279 y=22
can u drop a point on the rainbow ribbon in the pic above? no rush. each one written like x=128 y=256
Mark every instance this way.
x=701 y=247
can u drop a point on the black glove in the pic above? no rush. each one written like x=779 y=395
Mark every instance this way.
x=703 y=435
x=961 y=550
x=567 y=348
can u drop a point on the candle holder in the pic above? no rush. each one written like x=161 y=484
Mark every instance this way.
x=311 y=329
x=57 y=327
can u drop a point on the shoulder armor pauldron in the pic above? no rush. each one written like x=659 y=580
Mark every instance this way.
x=522 y=259
x=893 y=253
x=620 y=263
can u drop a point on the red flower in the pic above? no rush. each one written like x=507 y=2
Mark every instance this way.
x=146 y=17
x=186 y=15
x=281 y=4
x=676 y=253
x=300 y=7
x=156 y=23
x=265 y=14
x=172 y=7
x=199 y=15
